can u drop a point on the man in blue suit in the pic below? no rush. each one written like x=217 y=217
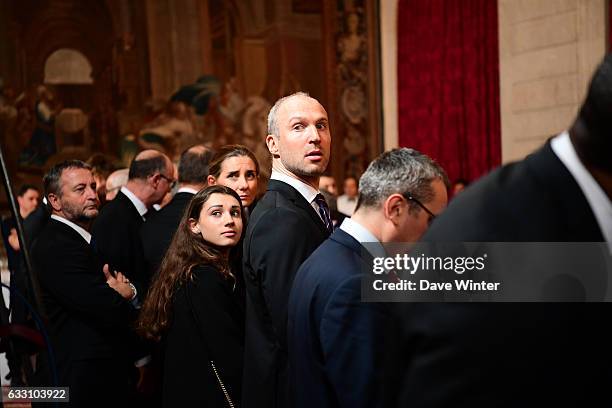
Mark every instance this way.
x=334 y=338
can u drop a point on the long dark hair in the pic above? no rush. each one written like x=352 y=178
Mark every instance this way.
x=186 y=251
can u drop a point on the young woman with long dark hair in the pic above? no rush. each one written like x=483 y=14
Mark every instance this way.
x=193 y=307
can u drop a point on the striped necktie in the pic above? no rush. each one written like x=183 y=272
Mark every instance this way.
x=324 y=212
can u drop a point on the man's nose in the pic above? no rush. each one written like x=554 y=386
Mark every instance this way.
x=313 y=134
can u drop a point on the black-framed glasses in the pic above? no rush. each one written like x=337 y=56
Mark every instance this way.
x=171 y=182
x=409 y=197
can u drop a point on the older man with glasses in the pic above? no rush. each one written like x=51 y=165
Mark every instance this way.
x=335 y=349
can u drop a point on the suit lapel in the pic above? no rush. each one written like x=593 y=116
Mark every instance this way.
x=294 y=196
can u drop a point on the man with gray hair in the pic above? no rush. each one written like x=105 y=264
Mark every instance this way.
x=89 y=310
x=335 y=349
x=289 y=222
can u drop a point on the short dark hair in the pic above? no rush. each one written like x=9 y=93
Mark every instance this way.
x=592 y=130
x=193 y=166
x=24 y=189
x=143 y=168
x=51 y=180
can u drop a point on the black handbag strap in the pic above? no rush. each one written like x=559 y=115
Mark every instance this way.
x=212 y=365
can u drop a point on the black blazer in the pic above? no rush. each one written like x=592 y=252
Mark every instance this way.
x=116 y=240
x=513 y=354
x=207 y=324
x=157 y=232
x=87 y=320
x=283 y=231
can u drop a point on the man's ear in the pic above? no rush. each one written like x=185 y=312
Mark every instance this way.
x=394 y=207
x=272 y=143
x=155 y=179
x=54 y=201
x=211 y=180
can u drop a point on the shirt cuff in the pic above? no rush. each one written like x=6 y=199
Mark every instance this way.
x=142 y=362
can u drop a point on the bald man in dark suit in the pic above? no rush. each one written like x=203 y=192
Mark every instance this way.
x=287 y=225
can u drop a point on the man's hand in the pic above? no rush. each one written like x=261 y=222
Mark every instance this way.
x=13 y=240
x=120 y=283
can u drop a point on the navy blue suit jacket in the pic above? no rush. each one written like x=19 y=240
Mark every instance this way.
x=334 y=338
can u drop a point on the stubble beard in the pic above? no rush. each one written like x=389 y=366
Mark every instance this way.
x=79 y=215
x=304 y=172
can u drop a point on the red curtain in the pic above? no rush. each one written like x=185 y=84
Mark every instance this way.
x=448 y=76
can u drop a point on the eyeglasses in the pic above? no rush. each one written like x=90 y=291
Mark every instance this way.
x=171 y=182
x=409 y=197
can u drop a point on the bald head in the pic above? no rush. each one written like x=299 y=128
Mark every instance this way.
x=149 y=162
x=115 y=181
x=273 y=115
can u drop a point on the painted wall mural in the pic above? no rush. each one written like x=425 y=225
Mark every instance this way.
x=113 y=77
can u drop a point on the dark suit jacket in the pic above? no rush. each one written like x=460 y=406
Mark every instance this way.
x=335 y=349
x=283 y=231
x=87 y=320
x=34 y=223
x=116 y=240
x=207 y=324
x=552 y=354
x=156 y=234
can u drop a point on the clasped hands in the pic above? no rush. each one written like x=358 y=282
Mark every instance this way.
x=119 y=283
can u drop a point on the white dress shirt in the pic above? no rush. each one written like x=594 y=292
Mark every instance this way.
x=363 y=236
x=308 y=192
x=140 y=206
x=82 y=231
x=596 y=197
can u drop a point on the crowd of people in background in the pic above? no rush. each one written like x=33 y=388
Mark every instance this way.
x=180 y=285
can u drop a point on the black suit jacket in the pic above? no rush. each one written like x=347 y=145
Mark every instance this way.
x=283 y=231
x=116 y=240
x=513 y=354
x=87 y=320
x=157 y=232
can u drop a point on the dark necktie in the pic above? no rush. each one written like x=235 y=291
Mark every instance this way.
x=324 y=212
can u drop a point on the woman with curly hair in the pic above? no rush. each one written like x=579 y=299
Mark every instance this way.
x=193 y=308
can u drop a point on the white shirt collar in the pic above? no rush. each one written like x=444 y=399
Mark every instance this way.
x=82 y=231
x=363 y=235
x=308 y=192
x=140 y=206
x=595 y=195
x=187 y=190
